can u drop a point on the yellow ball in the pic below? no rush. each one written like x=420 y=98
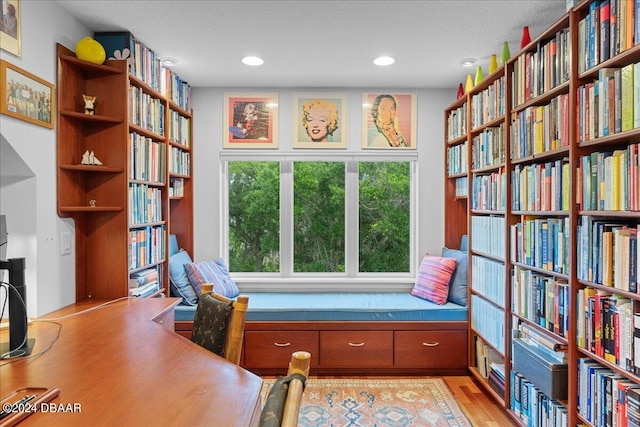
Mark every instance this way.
x=90 y=50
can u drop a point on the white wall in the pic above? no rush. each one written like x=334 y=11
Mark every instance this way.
x=208 y=113
x=30 y=202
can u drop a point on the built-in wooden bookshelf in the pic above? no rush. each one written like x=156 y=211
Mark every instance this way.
x=553 y=223
x=122 y=208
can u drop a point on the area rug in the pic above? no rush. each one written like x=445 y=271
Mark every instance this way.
x=392 y=402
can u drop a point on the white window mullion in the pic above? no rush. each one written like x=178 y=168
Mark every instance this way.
x=351 y=219
x=286 y=218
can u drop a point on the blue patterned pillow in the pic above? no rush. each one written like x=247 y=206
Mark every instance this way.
x=458 y=283
x=214 y=272
x=180 y=286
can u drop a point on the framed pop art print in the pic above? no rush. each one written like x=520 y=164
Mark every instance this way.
x=389 y=120
x=319 y=120
x=250 y=120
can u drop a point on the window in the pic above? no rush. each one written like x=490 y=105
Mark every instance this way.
x=296 y=217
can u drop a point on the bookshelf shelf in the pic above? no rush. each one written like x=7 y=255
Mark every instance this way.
x=90 y=209
x=127 y=230
x=571 y=205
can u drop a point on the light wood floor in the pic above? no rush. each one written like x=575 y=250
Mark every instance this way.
x=478 y=406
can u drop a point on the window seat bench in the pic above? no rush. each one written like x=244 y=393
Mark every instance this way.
x=350 y=333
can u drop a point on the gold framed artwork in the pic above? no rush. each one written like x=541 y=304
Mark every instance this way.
x=250 y=120
x=319 y=120
x=10 y=26
x=26 y=96
x=389 y=120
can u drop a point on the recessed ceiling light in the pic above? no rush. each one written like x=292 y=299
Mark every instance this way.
x=252 y=60
x=167 y=61
x=467 y=62
x=384 y=60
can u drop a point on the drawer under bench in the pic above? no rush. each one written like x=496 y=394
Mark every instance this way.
x=424 y=348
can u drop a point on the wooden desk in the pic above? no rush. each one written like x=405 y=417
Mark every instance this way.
x=125 y=369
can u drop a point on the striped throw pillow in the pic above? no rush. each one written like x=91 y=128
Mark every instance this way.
x=433 y=279
x=214 y=272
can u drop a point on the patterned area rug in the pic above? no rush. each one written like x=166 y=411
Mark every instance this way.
x=393 y=402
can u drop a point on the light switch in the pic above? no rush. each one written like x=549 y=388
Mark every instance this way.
x=65 y=243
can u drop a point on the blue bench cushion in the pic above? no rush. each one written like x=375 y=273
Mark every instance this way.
x=278 y=306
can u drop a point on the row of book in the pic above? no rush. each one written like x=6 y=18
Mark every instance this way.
x=607 y=253
x=488 y=278
x=609 y=28
x=541 y=242
x=610 y=104
x=143 y=283
x=538 y=129
x=489 y=104
x=179 y=161
x=179 y=129
x=147 y=159
x=488 y=148
x=606 y=398
x=462 y=186
x=488 y=234
x=457 y=123
x=146 y=246
x=486 y=357
x=495 y=378
x=541 y=299
x=457 y=159
x=533 y=407
x=536 y=72
x=146 y=111
x=175 y=89
x=609 y=180
x=541 y=186
x=488 y=191
x=176 y=187
x=488 y=320
x=609 y=327
x=145 y=204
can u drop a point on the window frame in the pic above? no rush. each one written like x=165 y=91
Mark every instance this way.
x=351 y=279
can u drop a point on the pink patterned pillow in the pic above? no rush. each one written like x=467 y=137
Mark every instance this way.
x=433 y=279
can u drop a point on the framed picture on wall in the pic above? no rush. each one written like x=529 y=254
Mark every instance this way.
x=10 y=26
x=319 y=120
x=25 y=96
x=389 y=120
x=250 y=120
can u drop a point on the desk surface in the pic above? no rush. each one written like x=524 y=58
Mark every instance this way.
x=124 y=369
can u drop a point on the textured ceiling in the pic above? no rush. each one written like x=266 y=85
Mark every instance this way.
x=319 y=44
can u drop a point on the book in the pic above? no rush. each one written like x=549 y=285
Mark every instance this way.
x=626 y=98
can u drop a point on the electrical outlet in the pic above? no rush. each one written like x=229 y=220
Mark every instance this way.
x=65 y=243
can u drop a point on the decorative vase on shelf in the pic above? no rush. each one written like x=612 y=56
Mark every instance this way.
x=90 y=50
x=505 y=55
x=468 y=84
x=460 y=91
x=493 y=63
x=479 y=75
x=526 y=38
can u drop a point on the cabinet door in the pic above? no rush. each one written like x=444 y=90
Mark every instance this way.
x=272 y=349
x=431 y=349
x=356 y=348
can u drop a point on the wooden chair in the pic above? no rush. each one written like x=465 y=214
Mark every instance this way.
x=219 y=323
x=282 y=407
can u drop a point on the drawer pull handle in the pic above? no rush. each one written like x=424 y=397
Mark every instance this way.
x=282 y=344
x=356 y=344
x=430 y=344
